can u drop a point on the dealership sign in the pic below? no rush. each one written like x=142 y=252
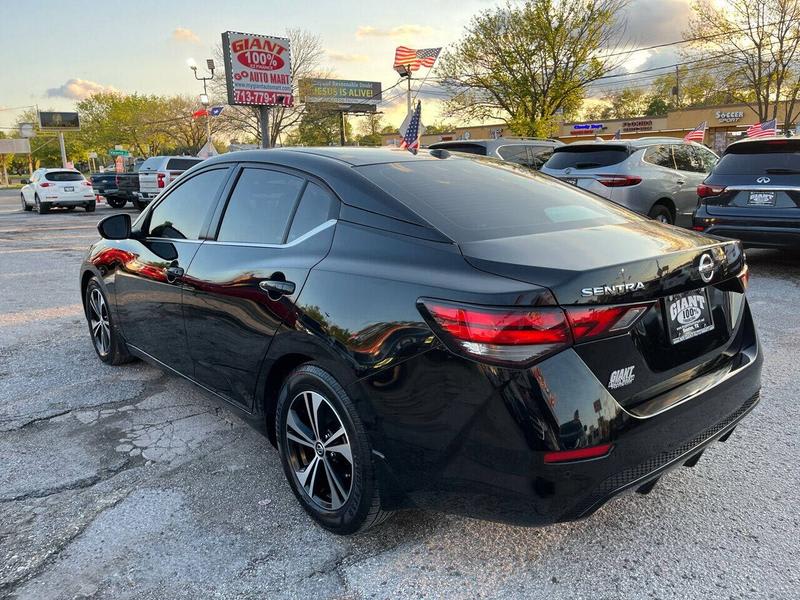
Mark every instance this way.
x=258 y=69
x=342 y=95
x=730 y=116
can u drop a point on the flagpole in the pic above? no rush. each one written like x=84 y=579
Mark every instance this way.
x=408 y=93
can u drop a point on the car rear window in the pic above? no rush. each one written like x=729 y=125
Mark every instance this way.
x=759 y=158
x=586 y=157
x=63 y=176
x=480 y=199
x=182 y=164
x=151 y=164
x=468 y=148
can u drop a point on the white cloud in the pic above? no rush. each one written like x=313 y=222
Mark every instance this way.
x=182 y=34
x=399 y=31
x=78 y=89
x=347 y=57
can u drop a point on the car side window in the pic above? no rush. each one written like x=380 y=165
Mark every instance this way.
x=316 y=206
x=182 y=212
x=516 y=154
x=659 y=155
x=685 y=159
x=706 y=159
x=540 y=155
x=260 y=207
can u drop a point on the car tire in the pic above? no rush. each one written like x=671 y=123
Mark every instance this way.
x=341 y=495
x=139 y=205
x=41 y=207
x=90 y=207
x=25 y=206
x=662 y=214
x=116 y=201
x=106 y=340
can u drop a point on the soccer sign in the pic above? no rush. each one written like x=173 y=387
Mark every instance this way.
x=258 y=69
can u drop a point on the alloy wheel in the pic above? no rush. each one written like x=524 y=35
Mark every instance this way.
x=319 y=450
x=99 y=323
x=662 y=219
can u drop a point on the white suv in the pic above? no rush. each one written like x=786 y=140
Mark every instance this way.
x=52 y=188
x=157 y=172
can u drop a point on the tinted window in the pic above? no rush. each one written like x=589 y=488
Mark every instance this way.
x=260 y=207
x=151 y=164
x=659 y=155
x=316 y=207
x=63 y=176
x=541 y=154
x=469 y=148
x=685 y=160
x=760 y=158
x=479 y=199
x=706 y=158
x=515 y=154
x=181 y=164
x=586 y=156
x=181 y=214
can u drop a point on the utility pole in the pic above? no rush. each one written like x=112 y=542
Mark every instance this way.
x=677 y=89
x=63 y=149
x=408 y=92
x=341 y=128
x=263 y=112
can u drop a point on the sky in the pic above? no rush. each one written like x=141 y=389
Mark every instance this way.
x=143 y=46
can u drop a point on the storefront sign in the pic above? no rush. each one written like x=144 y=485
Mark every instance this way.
x=638 y=125
x=258 y=69
x=729 y=116
x=586 y=128
x=348 y=96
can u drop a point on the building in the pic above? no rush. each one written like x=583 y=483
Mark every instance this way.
x=726 y=123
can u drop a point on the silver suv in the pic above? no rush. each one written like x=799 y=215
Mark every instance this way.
x=528 y=152
x=157 y=172
x=657 y=177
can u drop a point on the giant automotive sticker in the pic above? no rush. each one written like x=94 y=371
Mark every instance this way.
x=688 y=315
x=258 y=69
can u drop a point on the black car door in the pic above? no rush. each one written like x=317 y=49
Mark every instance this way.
x=275 y=226
x=148 y=288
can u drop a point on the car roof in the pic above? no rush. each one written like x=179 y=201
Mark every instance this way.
x=771 y=138
x=314 y=156
x=498 y=141
x=633 y=144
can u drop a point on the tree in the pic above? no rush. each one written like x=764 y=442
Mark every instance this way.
x=525 y=64
x=318 y=127
x=370 y=130
x=698 y=86
x=625 y=104
x=438 y=127
x=243 y=121
x=756 y=43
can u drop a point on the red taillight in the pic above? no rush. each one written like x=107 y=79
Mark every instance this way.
x=596 y=321
x=160 y=179
x=87 y=183
x=503 y=335
x=698 y=228
x=618 y=180
x=704 y=191
x=578 y=454
x=45 y=184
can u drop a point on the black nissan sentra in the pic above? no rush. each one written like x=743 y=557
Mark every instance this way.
x=434 y=331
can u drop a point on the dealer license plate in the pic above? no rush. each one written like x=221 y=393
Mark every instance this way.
x=761 y=199
x=69 y=188
x=570 y=180
x=688 y=315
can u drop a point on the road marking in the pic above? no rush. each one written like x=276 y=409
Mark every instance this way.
x=54 y=249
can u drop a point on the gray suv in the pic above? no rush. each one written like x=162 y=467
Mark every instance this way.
x=528 y=152
x=657 y=177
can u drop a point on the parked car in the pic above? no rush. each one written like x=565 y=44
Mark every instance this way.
x=105 y=184
x=57 y=188
x=528 y=152
x=657 y=177
x=127 y=187
x=753 y=194
x=448 y=333
x=156 y=173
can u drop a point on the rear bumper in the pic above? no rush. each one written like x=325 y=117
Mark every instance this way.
x=479 y=444
x=753 y=233
x=62 y=203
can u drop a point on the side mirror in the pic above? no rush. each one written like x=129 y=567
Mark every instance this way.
x=24 y=181
x=115 y=227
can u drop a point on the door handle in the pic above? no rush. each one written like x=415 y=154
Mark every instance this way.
x=174 y=272
x=277 y=287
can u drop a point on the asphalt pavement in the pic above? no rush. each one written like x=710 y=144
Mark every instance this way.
x=127 y=482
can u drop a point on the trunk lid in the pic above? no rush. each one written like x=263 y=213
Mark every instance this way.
x=640 y=262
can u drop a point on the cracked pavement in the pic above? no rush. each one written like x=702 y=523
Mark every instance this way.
x=127 y=482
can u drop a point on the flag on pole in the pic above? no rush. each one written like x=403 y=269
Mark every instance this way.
x=411 y=129
x=199 y=113
x=765 y=129
x=215 y=110
x=698 y=134
x=618 y=135
x=411 y=60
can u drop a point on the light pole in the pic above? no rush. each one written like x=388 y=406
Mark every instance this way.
x=204 y=96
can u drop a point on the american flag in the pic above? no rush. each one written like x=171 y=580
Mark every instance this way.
x=414 y=59
x=765 y=129
x=410 y=130
x=698 y=134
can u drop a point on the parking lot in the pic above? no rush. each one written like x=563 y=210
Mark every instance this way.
x=126 y=482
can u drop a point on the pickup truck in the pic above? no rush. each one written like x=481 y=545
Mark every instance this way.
x=117 y=188
x=157 y=172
